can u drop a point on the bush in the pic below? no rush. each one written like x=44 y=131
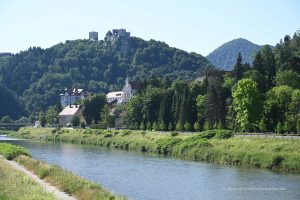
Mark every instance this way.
x=10 y=151
x=224 y=134
x=43 y=172
x=82 y=124
x=107 y=135
x=276 y=162
x=174 y=133
x=208 y=134
x=126 y=133
x=96 y=126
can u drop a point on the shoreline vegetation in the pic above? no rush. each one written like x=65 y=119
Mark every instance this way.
x=18 y=186
x=215 y=146
x=66 y=181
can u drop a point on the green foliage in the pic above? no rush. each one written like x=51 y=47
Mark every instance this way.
x=187 y=126
x=289 y=78
x=10 y=105
x=247 y=104
x=197 y=126
x=10 y=151
x=143 y=126
x=107 y=119
x=174 y=133
x=6 y=119
x=92 y=108
x=52 y=115
x=42 y=119
x=223 y=134
x=82 y=125
x=94 y=66
x=262 y=125
x=75 y=121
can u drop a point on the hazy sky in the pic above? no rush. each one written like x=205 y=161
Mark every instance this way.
x=199 y=26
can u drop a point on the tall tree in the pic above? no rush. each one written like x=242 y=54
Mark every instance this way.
x=215 y=109
x=247 y=104
x=238 y=68
x=92 y=108
x=269 y=65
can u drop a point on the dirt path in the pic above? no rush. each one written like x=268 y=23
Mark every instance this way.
x=49 y=188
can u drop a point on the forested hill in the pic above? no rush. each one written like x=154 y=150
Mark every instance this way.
x=224 y=57
x=39 y=75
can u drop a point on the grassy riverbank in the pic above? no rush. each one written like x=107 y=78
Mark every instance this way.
x=275 y=154
x=18 y=186
x=64 y=180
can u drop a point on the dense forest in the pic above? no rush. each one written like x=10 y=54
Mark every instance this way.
x=264 y=97
x=10 y=105
x=39 y=75
x=224 y=56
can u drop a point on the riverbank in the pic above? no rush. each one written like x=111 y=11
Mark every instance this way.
x=274 y=154
x=17 y=185
x=66 y=181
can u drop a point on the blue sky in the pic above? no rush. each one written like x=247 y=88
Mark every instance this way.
x=198 y=26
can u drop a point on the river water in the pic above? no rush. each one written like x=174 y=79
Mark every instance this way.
x=153 y=177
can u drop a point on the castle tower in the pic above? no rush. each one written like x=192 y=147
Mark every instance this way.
x=93 y=36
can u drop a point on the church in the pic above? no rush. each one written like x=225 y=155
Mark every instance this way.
x=128 y=91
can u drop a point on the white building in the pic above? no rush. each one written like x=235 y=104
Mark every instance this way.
x=67 y=114
x=70 y=96
x=123 y=96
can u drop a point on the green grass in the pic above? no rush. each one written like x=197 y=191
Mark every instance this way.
x=10 y=151
x=68 y=182
x=211 y=146
x=15 y=185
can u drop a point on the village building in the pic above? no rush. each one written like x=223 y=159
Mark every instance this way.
x=128 y=91
x=68 y=113
x=71 y=95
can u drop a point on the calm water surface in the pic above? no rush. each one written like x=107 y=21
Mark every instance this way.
x=150 y=177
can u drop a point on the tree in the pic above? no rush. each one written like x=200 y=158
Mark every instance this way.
x=289 y=78
x=187 y=126
x=269 y=65
x=276 y=106
x=262 y=125
x=215 y=107
x=75 y=121
x=247 y=104
x=143 y=126
x=196 y=126
x=238 y=68
x=92 y=106
x=6 y=119
x=258 y=64
x=52 y=115
x=42 y=119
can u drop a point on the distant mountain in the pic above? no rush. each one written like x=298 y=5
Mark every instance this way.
x=224 y=57
x=39 y=75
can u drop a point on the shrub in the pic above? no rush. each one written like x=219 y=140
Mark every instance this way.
x=208 y=134
x=174 y=133
x=164 y=146
x=223 y=134
x=276 y=162
x=10 y=151
x=95 y=126
x=107 y=135
x=82 y=124
x=126 y=133
x=43 y=172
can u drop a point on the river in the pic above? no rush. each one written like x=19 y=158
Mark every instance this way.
x=153 y=177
